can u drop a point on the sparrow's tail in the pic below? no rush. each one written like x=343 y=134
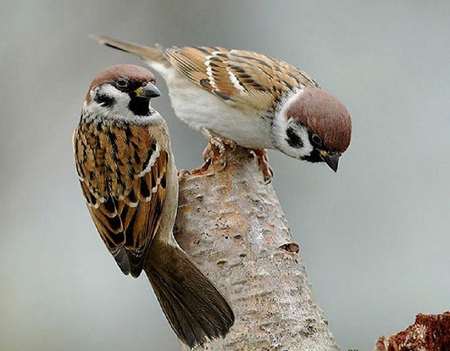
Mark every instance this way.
x=153 y=56
x=193 y=306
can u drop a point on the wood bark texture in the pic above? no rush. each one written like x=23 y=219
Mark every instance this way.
x=232 y=225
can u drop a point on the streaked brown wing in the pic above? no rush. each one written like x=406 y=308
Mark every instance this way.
x=239 y=77
x=123 y=179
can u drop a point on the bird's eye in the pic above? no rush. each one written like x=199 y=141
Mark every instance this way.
x=317 y=140
x=121 y=83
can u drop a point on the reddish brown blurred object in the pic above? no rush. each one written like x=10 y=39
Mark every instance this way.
x=429 y=332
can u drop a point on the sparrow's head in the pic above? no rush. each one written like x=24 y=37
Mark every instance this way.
x=314 y=126
x=122 y=91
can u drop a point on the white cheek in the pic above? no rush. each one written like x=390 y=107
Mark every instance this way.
x=118 y=110
x=307 y=147
x=280 y=127
x=280 y=123
x=122 y=100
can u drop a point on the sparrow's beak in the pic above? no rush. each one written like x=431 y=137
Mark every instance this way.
x=148 y=91
x=332 y=159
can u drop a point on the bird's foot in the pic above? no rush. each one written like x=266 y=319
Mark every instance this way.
x=217 y=151
x=182 y=173
x=263 y=162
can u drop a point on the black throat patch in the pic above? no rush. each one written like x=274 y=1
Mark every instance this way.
x=139 y=106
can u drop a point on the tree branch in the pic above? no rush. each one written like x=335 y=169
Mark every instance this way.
x=232 y=225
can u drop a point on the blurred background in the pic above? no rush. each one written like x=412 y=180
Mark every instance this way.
x=374 y=237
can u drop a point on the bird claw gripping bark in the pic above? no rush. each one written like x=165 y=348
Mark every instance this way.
x=263 y=163
x=216 y=152
x=219 y=149
x=183 y=173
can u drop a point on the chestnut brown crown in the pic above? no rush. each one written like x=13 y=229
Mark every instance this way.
x=128 y=72
x=325 y=116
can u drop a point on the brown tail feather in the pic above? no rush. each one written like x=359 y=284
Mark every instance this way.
x=146 y=53
x=193 y=306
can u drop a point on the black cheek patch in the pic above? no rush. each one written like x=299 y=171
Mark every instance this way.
x=293 y=138
x=104 y=100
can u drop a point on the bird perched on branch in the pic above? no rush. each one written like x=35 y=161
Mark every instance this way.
x=128 y=177
x=251 y=99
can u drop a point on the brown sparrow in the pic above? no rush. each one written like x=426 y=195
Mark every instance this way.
x=256 y=101
x=128 y=177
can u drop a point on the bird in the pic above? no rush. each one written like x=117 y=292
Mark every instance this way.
x=129 y=181
x=251 y=99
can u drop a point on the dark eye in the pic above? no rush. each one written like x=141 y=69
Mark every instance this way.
x=122 y=83
x=316 y=140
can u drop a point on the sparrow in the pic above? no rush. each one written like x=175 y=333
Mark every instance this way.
x=129 y=180
x=251 y=99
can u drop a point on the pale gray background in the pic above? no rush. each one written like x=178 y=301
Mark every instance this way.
x=374 y=236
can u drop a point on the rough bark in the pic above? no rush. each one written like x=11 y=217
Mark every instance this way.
x=233 y=226
x=428 y=333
